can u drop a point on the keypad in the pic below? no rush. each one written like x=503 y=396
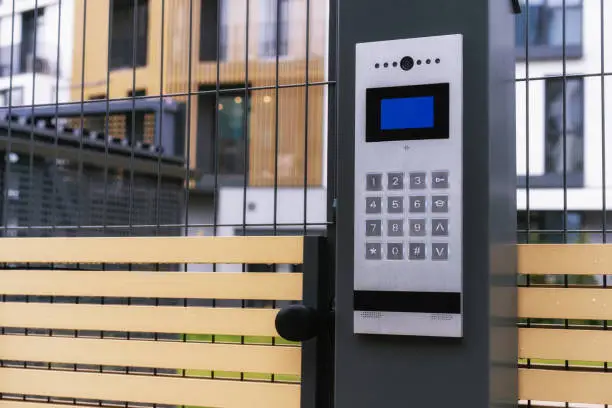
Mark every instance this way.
x=403 y=210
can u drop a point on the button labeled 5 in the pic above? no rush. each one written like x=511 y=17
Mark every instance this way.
x=395 y=205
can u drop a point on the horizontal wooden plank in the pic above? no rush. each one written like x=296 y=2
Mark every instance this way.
x=266 y=250
x=565 y=303
x=565 y=386
x=554 y=344
x=565 y=259
x=162 y=319
x=204 y=285
x=153 y=354
x=149 y=389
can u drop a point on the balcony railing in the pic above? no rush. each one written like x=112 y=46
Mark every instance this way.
x=43 y=61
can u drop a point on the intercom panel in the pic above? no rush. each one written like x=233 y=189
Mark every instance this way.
x=408 y=187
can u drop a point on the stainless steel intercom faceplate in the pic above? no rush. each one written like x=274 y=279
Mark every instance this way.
x=408 y=187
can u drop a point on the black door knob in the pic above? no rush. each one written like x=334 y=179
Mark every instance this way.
x=297 y=323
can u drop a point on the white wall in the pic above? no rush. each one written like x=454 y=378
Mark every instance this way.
x=57 y=30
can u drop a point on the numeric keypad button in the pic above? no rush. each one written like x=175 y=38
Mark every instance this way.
x=373 y=228
x=395 y=205
x=417 y=204
x=395 y=228
x=373 y=251
x=374 y=182
x=439 y=251
x=439 y=227
x=373 y=205
x=439 y=204
x=417 y=228
x=395 y=181
x=439 y=179
x=416 y=251
x=417 y=181
x=395 y=251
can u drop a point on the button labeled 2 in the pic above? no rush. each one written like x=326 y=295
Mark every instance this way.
x=396 y=181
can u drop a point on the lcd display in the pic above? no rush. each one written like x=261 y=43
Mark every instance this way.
x=416 y=112
x=407 y=113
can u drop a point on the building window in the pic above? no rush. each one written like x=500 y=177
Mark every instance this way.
x=16 y=100
x=221 y=140
x=563 y=144
x=213 y=32
x=540 y=26
x=129 y=36
x=274 y=31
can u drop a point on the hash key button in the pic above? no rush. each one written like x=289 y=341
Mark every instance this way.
x=439 y=179
x=439 y=252
x=416 y=251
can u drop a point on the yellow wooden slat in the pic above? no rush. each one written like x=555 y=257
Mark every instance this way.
x=150 y=389
x=154 y=354
x=266 y=250
x=565 y=386
x=162 y=319
x=270 y=286
x=565 y=303
x=565 y=259
x=553 y=344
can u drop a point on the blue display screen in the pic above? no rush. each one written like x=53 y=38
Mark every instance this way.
x=407 y=113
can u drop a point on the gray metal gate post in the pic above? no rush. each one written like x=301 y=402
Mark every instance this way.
x=480 y=369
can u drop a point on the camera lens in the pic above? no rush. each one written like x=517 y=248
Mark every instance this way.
x=407 y=63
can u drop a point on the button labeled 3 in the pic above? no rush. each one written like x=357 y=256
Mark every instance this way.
x=417 y=181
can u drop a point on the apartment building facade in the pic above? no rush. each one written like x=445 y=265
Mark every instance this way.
x=40 y=35
x=565 y=183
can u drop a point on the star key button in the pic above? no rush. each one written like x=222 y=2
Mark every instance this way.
x=373 y=251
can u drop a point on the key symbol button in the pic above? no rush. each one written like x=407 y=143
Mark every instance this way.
x=439 y=179
x=439 y=252
x=439 y=227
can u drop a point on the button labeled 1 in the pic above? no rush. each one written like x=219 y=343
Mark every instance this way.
x=374 y=182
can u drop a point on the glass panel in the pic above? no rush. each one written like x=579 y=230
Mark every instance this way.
x=573 y=26
x=574 y=112
x=231 y=134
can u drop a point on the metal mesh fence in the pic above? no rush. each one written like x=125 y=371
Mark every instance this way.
x=163 y=117
x=562 y=109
